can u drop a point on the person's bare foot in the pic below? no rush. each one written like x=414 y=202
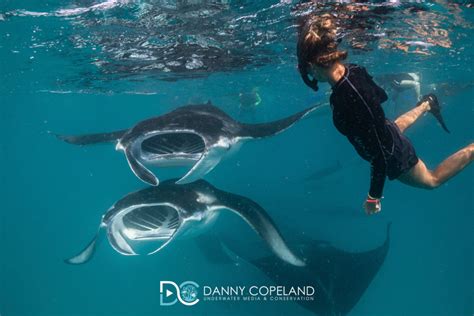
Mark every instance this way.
x=426 y=106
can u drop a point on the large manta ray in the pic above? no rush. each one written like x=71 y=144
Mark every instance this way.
x=148 y=220
x=340 y=278
x=197 y=135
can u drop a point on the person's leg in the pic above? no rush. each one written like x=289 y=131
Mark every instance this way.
x=406 y=120
x=421 y=177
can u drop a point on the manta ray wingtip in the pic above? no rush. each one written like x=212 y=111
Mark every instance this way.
x=63 y=138
x=299 y=262
x=73 y=140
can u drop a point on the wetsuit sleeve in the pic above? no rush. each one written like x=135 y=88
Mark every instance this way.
x=377 y=177
x=363 y=122
x=375 y=96
x=378 y=165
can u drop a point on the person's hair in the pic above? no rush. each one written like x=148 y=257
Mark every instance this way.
x=317 y=45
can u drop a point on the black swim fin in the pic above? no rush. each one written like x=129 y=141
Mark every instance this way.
x=435 y=109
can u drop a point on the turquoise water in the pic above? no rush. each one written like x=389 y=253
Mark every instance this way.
x=75 y=74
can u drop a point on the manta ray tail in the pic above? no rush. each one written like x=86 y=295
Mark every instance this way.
x=90 y=139
x=275 y=127
x=86 y=254
x=262 y=223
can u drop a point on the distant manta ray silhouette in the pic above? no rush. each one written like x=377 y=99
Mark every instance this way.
x=148 y=220
x=199 y=135
x=340 y=278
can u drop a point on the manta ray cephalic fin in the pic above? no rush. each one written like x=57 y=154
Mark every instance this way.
x=88 y=252
x=140 y=170
x=204 y=165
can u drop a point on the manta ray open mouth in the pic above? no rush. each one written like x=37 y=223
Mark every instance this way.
x=181 y=143
x=144 y=229
x=151 y=222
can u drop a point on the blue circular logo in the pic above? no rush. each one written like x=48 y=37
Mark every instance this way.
x=189 y=291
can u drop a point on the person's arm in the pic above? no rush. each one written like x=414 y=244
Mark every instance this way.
x=376 y=119
x=377 y=178
x=378 y=174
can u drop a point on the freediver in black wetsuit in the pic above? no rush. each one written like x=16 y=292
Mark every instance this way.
x=357 y=114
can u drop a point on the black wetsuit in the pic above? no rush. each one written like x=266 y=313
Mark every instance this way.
x=357 y=113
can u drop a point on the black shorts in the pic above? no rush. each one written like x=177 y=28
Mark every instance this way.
x=403 y=156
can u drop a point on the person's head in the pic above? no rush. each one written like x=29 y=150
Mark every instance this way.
x=317 y=49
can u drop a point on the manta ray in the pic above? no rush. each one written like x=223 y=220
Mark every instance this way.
x=340 y=278
x=198 y=135
x=148 y=220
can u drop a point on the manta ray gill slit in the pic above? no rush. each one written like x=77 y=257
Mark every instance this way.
x=145 y=229
x=151 y=222
x=173 y=145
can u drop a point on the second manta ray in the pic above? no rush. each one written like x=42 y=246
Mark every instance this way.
x=340 y=278
x=148 y=220
x=197 y=135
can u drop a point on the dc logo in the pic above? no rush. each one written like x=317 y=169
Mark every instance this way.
x=186 y=293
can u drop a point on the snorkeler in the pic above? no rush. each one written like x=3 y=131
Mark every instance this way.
x=357 y=114
x=249 y=102
x=250 y=99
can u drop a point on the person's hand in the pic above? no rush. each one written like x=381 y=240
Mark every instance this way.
x=372 y=205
